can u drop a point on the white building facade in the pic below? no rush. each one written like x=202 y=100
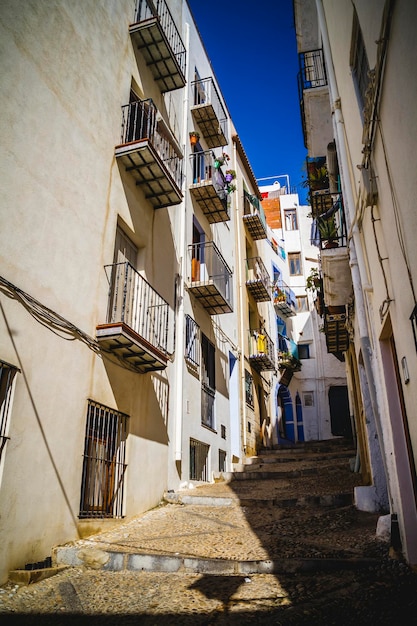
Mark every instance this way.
x=358 y=90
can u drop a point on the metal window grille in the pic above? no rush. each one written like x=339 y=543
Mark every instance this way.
x=249 y=388
x=359 y=62
x=7 y=376
x=199 y=452
x=208 y=382
x=102 y=486
x=192 y=341
x=222 y=461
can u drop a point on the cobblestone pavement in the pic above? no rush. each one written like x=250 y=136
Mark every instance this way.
x=287 y=516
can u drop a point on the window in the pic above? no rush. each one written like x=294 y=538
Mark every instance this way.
x=223 y=431
x=7 y=377
x=248 y=388
x=308 y=398
x=199 y=460
x=294 y=262
x=302 y=303
x=208 y=382
x=359 y=63
x=222 y=461
x=104 y=467
x=303 y=351
x=290 y=218
x=192 y=342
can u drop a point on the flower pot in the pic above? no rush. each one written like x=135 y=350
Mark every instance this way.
x=193 y=140
x=229 y=178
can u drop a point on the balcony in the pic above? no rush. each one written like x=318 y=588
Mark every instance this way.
x=312 y=69
x=149 y=153
x=210 y=279
x=284 y=300
x=155 y=35
x=136 y=331
x=209 y=113
x=261 y=351
x=337 y=336
x=314 y=100
x=254 y=216
x=258 y=281
x=209 y=187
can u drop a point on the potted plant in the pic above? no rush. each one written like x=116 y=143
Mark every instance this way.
x=313 y=280
x=221 y=160
x=328 y=232
x=194 y=137
x=230 y=175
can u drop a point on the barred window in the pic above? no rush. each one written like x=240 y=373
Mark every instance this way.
x=249 y=388
x=199 y=459
x=192 y=342
x=102 y=486
x=7 y=378
x=359 y=63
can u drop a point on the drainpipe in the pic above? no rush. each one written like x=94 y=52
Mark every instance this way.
x=358 y=268
x=179 y=395
x=242 y=403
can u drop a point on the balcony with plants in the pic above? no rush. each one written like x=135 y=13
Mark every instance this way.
x=149 y=152
x=156 y=36
x=284 y=299
x=258 y=281
x=212 y=184
x=137 y=327
x=209 y=113
x=254 y=216
x=210 y=278
x=261 y=350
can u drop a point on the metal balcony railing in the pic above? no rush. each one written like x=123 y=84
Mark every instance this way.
x=210 y=278
x=284 y=299
x=160 y=42
x=261 y=350
x=258 y=281
x=133 y=302
x=254 y=216
x=209 y=112
x=312 y=69
x=209 y=186
x=329 y=224
x=139 y=122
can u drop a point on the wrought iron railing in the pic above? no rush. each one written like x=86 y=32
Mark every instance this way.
x=261 y=344
x=205 y=92
x=312 y=69
x=7 y=374
x=256 y=270
x=329 y=224
x=199 y=469
x=132 y=301
x=104 y=466
x=208 y=266
x=146 y=9
x=139 y=122
x=282 y=293
x=252 y=206
x=205 y=167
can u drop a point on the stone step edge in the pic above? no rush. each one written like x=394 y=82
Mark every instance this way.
x=330 y=500
x=119 y=561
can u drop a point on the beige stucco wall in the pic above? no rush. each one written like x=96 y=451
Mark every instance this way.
x=66 y=72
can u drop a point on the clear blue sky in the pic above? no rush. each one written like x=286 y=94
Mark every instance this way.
x=253 y=51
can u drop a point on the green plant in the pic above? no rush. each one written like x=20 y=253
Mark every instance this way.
x=313 y=279
x=327 y=228
x=231 y=173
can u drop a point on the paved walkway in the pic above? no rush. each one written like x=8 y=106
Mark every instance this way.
x=281 y=543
